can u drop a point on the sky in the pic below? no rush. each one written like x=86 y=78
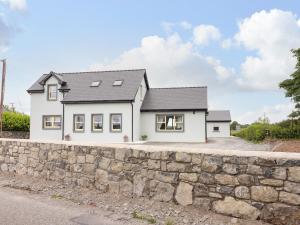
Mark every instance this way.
x=239 y=49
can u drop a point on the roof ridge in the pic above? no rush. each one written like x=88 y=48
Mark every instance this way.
x=180 y=87
x=97 y=71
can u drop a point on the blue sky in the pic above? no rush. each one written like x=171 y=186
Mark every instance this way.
x=239 y=49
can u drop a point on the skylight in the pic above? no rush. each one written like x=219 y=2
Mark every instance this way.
x=118 y=83
x=95 y=83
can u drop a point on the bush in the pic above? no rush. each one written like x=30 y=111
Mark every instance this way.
x=258 y=132
x=14 y=121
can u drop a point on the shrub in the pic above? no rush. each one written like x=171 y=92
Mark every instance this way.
x=14 y=121
x=258 y=132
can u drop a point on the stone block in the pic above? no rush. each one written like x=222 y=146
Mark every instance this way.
x=175 y=167
x=80 y=159
x=192 y=177
x=183 y=157
x=255 y=170
x=155 y=155
x=140 y=185
x=211 y=164
x=164 y=192
x=294 y=174
x=242 y=192
x=104 y=163
x=226 y=179
x=206 y=178
x=153 y=164
x=231 y=168
x=89 y=158
x=184 y=194
x=289 y=198
x=126 y=188
x=230 y=206
x=197 y=159
x=224 y=190
x=264 y=194
x=202 y=203
x=116 y=167
x=214 y=195
x=272 y=182
x=292 y=187
x=246 y=179
x=167 y=177
x=200 y=190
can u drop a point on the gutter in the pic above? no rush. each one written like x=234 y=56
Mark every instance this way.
x=131 y=121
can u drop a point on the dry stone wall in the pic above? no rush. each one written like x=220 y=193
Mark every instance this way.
x=15 y=134
x=245 y=187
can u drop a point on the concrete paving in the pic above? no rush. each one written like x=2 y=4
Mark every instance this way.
x=19 y=208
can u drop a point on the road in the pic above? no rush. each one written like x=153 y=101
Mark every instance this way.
x=22 y=208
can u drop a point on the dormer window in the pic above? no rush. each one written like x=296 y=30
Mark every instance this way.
x=118 y=83
x=52 y=92
x=95 y=83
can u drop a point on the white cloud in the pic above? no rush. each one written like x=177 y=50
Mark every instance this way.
x=275 y=113
x=171 y=62
x=203 y=34
x=185 y=25
x=16 y=4
x=271 y=35
x=227 y=43
x=5 y=34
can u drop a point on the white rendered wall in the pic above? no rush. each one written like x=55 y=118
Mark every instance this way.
x=224 y=129
x=41 y=106
x=194 y=128
x=104 y=108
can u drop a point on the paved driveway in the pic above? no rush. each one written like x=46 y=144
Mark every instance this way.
x=230 y=143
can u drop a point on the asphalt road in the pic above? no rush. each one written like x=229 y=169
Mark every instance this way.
x=21 y=208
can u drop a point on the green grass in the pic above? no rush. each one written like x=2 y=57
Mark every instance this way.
x=144 y=217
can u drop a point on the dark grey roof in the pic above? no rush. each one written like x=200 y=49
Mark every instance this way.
x=175 y=99
x=79 y=88
x=218 y=115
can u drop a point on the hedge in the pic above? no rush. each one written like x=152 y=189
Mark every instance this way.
x=14 y=121
x=258 y=132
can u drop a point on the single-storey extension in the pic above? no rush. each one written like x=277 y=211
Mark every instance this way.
x=218 y=123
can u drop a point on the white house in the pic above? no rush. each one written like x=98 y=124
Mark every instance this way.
x=115 y=106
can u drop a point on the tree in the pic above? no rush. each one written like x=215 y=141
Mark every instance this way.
x=233 y=125
x=292 y=86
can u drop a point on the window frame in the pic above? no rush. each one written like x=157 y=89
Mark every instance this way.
x=48 y=93
x=51 y=128
x=92 y=123
x=218 y=130
x=74 y=127
x=111 y=124
x=169 y=131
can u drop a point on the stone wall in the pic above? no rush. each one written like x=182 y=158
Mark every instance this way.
x=15 y=134
x=241 y=186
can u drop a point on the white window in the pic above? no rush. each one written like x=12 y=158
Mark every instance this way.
x=118 y=83
x=97 y=122
x=116 y=122
x=52 y=92
x=78 y=123
x=95 y=83
x=169 y=122
x=51 y=122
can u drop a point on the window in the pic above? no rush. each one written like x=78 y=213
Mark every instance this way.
x=97 y=122
x=51 y=122
x=115 y=122
x=95 y=83
x=52 y=92
x=216 y=129
x=118 y=83
x=78 y=125
x=169 y=122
